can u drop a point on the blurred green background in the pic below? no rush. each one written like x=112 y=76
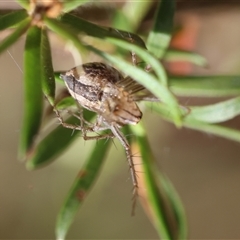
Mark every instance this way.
x=203 y=168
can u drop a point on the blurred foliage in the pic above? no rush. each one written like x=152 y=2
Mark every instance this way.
x=37 y=19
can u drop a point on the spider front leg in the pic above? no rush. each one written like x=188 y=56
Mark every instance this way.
x=85 y=130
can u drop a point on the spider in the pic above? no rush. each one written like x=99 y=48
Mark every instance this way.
x=102 y=89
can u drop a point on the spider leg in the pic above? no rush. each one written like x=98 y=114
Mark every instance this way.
x=118 y=134
x=96 y=128
x=64 y=124
x=84 y=129
x=97 y=137
x=81 y=119
x=134 y=58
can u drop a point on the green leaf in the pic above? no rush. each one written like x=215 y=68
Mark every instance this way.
x=54 y=143
x=160 y=36
x=176 y=205
x=146 y=56
x=66 y=103
x=218 y=130
x=65 y=32
x=131 y=15
x=33 y=99
x=167 y=212
x=15 y=35
x=12 y=18
x=48 y=79
x=181 y=55
x=81 y=187
x=23 y=3
x=57 y=77
x=80 y=25
x=121 y=21
x=216 y=113
x=52 y=146
x=69 y=5
x=205 y=86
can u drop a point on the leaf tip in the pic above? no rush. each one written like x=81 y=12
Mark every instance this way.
x=30 y=166
x=60 y=234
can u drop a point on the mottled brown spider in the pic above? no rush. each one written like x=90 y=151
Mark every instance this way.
x=102 y=89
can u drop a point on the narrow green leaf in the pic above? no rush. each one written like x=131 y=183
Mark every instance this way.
x=131 y=15
x=15 y=35
x=218 y=130
x=69 y=5
x=66 y=103
x=23 y=3
x=205 y=86
x=160 y=36
x=81 y=187
x=54 y=143
x=57 y=77
x=168 y=215
x=216 y=113
x=12 y=18
x=80 y=25
x=176 y=205
x=33 y=100
x=121 y=21
x=48 y=79
x=65 y=32
x=146 y=56
x=181 y=55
